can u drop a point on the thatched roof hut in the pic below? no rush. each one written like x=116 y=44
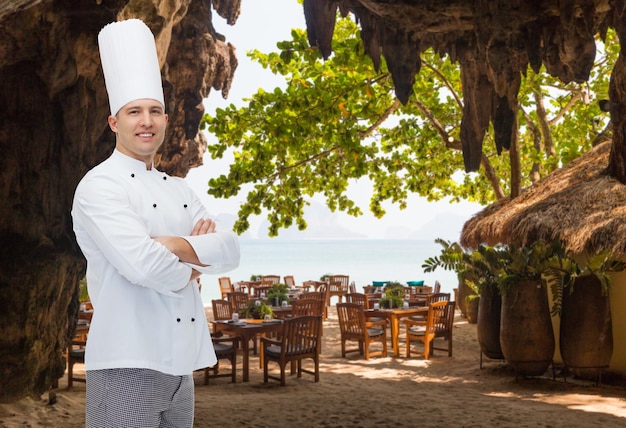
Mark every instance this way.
x=579 y=204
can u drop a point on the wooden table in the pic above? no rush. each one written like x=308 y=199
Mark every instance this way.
x=247 y=330
x=394 y=316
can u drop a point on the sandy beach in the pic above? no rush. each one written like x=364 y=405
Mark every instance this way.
x=382 y=392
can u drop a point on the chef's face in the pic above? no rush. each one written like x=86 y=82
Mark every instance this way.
x=140 y=129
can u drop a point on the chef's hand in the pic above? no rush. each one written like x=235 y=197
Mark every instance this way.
x=203 y=227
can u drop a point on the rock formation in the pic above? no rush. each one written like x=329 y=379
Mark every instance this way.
x=53 y=128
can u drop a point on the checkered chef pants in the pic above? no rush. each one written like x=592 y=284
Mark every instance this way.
x=138 y=398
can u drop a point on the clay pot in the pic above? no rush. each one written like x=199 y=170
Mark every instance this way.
x=526 y=334
x=488 y=328
x=586 y=335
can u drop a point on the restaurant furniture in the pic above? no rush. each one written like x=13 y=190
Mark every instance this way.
x=446 y=331
x=358 y=298
x=246 y=330
x=437 y=288
x=338 y=286
x=353 y=326
x=393 y=316
x=302 y=307
x=238 y=301
x=222 y=309
x=430 y=299
x=425 y=331
x=270 y=279
x=282 y=312
x=225 y=286
x=298 y=340
x=290 y=282
x=321 y=295
x=225 y=349
x=76 y=350
x=75 y=354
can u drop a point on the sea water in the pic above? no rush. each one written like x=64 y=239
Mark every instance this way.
x=364 y=260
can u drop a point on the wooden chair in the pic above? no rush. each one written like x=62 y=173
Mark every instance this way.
x=437 y=288
x=225 y=349
x=320 y=295
x=270 y=279
x=312 y=295
x=444 y=330
x=358 y=298
x=352 y=287
x=290 y=282
x=238 y=301
x=354 y=326
x=225 y=286
x=425 y=331
x=304 y=307
x=222 y=309
x=75 y=355
x=430 y=299
x=338 y=286
x=300 y=339
x=437 y=297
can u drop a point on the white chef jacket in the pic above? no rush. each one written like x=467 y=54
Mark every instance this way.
x=147 y=313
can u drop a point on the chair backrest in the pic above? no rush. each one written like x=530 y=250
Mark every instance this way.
x=437 y=297
x=238 y=300
x=270 y=279
x=312 y=295
x=290 y=281
x=437 y=288
x=351 y=319
x=444 y=326
x=301 y=335
x=358 y=298
x=225 y=286
x=222 y=310
x=339 y=281
x=437 y=319
x=302 y=307
x=352 y=287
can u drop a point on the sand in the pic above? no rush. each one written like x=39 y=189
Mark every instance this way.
x=382 y=392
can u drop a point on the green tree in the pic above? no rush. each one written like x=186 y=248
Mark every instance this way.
x=338 y=120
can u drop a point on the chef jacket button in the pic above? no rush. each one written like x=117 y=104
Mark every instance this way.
x=132 y=175
x=193 y=320
x=164 y=178
x=177 y=319
x=185 y=205
x=154 y=205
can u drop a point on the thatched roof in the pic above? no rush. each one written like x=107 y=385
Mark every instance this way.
x=579 y=204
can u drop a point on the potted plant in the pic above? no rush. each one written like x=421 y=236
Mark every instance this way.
x=277 y=294
x=452 y=257
x=394 y=295
x=581 y=298
x=526 y=334
x=256 y=310
x=255 y=277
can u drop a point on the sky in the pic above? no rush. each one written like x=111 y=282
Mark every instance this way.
x=261 y=25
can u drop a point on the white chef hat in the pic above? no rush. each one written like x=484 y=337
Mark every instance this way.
x=130 y=63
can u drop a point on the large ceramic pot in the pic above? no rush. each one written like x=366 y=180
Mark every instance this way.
x=488 y=327
x=464 y=291
x=526 y=334
x=586 y=336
